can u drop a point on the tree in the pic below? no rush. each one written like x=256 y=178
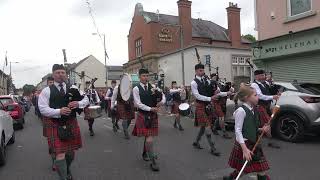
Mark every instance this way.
x=27 y=89
x=250 y=37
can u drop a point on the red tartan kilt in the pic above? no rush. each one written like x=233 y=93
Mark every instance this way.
x=141 y=131
x=263 y=115
x=45 y=126
x=56 y=144
x=175 y=108
x=236 y=160
x=123 y=113
x=218 y=109
x=201 y=117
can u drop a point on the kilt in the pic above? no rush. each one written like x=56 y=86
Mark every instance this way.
x=56 y=144
x=125 y=113
x=45 y=126
x=236 y=159
x=175 y=107
x=109 y=107
x=263 y=115
x=140 y=130
x=217 y=108
x=201 y=117
x=86 y=114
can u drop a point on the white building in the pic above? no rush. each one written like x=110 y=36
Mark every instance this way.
x=231 y=62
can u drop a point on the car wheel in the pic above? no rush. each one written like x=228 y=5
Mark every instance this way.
x=290 y=128
x=12 y=139
x=2 y=152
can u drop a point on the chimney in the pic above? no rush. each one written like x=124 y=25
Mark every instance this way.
x=184 y=7
x=234 y=27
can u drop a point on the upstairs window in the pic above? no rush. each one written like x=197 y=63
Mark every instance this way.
x=297 y=7
x=138 y=45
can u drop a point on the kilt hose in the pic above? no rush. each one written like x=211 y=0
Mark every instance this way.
x=140 y=129
x=236 y=159
x=218 y=109
x=125 y=111
x=263 y=115
x=202 y=119
x=55 y=144
x=109 y=108
x=175 y=107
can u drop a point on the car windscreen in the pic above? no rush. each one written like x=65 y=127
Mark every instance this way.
x=6 y=100
x=310 y=88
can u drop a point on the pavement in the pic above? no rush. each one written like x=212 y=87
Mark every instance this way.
x=108 y=156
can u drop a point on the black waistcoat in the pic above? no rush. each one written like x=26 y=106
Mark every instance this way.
x=146 y=96
x=265 y=90
x=57 y=101
x=111 y=90
x=204 y=89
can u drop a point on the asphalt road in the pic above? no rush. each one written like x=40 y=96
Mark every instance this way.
x=109 y=156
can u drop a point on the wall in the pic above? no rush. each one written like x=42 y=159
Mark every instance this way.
x=221 y=57
x=268 y=27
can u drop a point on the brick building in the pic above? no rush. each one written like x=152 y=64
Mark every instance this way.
x=153 y=35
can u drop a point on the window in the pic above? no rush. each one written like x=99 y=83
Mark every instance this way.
x=138 y=45
x=234 y=60
x=241 y=61
x=296 y=7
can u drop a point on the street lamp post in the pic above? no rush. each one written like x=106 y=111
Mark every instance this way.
x=105 y=56
x=11 y=83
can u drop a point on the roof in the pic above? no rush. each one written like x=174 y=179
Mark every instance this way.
x=74 y=65
x=200 y=28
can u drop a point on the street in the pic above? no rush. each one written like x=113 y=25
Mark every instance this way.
x=109 y=156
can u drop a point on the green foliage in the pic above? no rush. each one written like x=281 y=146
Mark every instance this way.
x=250 y=37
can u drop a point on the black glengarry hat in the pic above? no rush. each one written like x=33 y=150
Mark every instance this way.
x=143 y=71
x=259 y=71
x=58 y=67
x=198 y=66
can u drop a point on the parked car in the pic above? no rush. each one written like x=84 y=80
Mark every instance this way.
x=15 y=110
x=6 y=133
x=299 y=111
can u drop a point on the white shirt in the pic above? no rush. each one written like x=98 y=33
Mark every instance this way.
x=114 y=97
x=239 y=116
x=175 y=90
x=107 y=94
x=97 y=96
x=137 y=101
x=259 y=93
x=43 y=102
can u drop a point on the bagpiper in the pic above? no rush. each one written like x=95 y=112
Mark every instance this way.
x=124 y=109
x=263 y=90
x=94 y=99
x=247 y=130
x=58 y=104
x=112 y=113
x=201 y=88
x=148 y=101
x=175 y=93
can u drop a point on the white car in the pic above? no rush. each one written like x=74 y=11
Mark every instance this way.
x=6 y=133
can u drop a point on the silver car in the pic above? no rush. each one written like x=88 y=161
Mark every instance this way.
x=299 y=112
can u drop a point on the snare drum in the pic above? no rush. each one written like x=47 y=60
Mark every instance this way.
x=184 y=109
x=94 y=112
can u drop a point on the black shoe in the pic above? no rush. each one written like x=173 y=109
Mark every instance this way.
x=145 y=157
x=197 y=145
x=69 y=177
x=181 y=128
x=91 y=133
x=175 y=125
x=273 y=145
x=215 y=152
x=117 y=126
x=226 y=135
x=154 y=166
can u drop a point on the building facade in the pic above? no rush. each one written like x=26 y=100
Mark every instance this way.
x=4 y=83
x=114 y=74
x=291 y=48
x=155 y=37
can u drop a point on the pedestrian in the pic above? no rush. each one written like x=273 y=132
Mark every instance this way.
x=247 y=130
x=124 y=109
x=112 y=114
x=176 y=97
x=148 y=101
x=94 y=99
x=59 y=109
x=202 y=91
x=263 y=90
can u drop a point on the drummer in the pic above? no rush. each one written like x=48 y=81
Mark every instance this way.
x=175 y=93
x=112 y=114
x=94 y=99
x=124 y=109
x=147 y=118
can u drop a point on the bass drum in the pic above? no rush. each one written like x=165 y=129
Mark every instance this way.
x=127 y=82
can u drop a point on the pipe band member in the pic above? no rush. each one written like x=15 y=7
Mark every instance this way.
x=263 y=90
x=148 y=101
x=202 y=91
x=124 y=109
x=247 y=131
x=112 y=113
x=94 y=99
x=59 y=110
x=175 y=93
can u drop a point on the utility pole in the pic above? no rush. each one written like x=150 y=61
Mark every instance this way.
x=182 y=55
x=105 y=58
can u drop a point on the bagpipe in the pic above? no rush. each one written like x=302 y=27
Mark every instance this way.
x=94 y=109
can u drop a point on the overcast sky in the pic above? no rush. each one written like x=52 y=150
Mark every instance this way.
x=34 y=31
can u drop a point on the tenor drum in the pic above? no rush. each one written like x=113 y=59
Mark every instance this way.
x=184 y=109
x=94 y=112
